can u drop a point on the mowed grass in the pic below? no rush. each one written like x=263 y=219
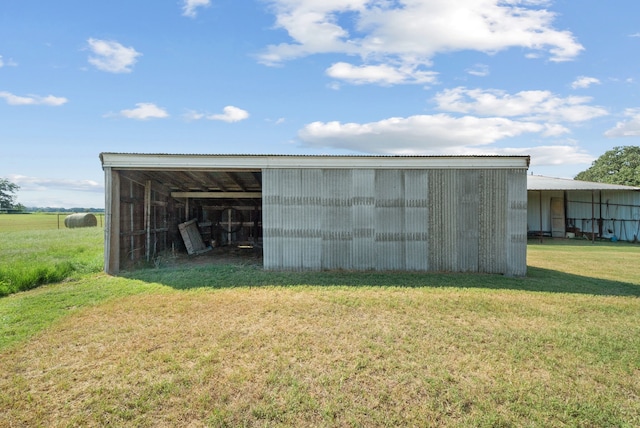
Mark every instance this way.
x=234 y=345
x=33 y=251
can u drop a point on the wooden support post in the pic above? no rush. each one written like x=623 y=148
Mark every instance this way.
x=147 y=217
x=132 y=224
x=112 y=222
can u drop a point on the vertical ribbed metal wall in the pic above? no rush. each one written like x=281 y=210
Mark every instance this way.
x=467 y=220
x=516 y=245
x=492 y=238
x=363 y=209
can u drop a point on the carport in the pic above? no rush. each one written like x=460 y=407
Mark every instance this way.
x=561 y=208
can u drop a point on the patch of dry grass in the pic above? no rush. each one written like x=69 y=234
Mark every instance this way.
x=332 y=356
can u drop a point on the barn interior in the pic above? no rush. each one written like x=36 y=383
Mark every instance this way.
x=189 y=212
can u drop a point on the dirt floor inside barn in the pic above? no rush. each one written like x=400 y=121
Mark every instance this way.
x=227 y=255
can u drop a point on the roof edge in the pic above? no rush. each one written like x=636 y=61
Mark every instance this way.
x=222 y=161
x=541 y=182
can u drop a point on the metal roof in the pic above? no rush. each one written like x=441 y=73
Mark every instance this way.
x=164 y=161
x=539 y=182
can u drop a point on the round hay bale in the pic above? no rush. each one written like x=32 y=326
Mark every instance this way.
x=80 y=220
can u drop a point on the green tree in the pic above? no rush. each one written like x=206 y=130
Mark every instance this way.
x=621 y=165
x=7 y=193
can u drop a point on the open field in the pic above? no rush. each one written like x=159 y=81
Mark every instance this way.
x=232 y=345
x=36 y=221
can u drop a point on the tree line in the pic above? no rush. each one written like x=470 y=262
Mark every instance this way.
x=620 y=165
x=8 y=203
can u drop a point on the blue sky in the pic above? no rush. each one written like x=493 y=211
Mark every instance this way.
x=557 y=80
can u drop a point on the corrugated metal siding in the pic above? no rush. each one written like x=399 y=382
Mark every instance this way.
x=618 y=211
x=442 y=216
x=468 y=220
x=363 y=208
x=416 y=220
x=516 y=224
x=336 y=219
x=583 y=212
x=492 y=251
x=535 y=198
x=423 y=220
x=389 y=223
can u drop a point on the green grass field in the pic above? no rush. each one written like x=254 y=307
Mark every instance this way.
x=233 y=345
x=36 y=221
x=34 y=251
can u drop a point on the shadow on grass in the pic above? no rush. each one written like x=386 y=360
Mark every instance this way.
x=229 y=276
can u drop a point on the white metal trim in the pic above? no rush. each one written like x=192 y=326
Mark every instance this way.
x=258 y=162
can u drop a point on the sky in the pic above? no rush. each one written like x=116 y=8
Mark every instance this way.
x=558 y=80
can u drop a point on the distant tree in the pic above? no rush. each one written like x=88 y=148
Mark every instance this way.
x=621 y=165
x=7 y=193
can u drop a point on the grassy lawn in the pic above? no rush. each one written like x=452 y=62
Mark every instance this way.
x=233 y=345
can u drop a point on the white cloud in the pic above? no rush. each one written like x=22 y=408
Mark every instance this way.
x=584 y=82
x=529 y=105
x=111 y=56
x=409 y=33
x=480 y=70
x=189 y=7
x=8 y=63
x=420 y=134
x=17 y=100
x=626 y=128
x=438 y=135
x=474 y=121
x=144 y=111
x=382 y=74
x=42 y=184
x=192 y=115
x=561 y=154
x=231 y=114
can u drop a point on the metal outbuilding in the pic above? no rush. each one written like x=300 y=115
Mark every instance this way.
x=417 y=213
x=562 y=208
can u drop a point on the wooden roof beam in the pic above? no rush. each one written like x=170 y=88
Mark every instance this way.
x=217 y=195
